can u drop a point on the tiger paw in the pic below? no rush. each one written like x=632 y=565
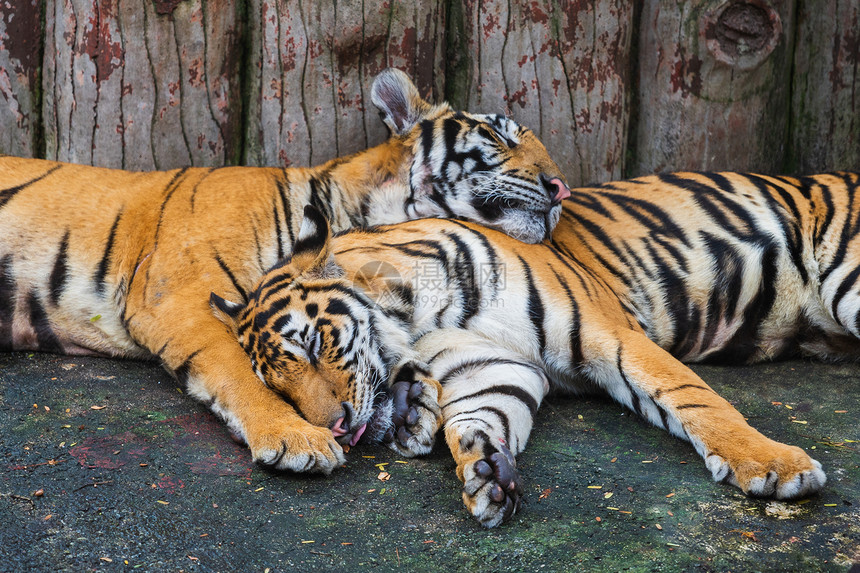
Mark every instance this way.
x=416 y=417
x=773 y=470
x=298 y=448
x=492 y=488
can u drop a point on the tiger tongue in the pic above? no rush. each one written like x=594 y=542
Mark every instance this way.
x=357 y=435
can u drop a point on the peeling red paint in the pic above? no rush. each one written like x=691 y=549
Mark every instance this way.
x=583 y=120
x=21 y=40
x=276 y=86
x=290 y=53
x=491 y=24
x=98 y=42
x=282 y=157
x=196 y=73
x=166 y=7
x=315 y=49
x=532 y=12
x=686 y=74
x=518 y=96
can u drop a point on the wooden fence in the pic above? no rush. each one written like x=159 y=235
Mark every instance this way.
x=614 y=88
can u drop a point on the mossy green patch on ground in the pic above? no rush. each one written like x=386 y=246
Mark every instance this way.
x=163 y=486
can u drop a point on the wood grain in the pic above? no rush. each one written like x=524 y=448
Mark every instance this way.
x=313 y=64
x=700 y=107
x=142 y=85
x=562 y=69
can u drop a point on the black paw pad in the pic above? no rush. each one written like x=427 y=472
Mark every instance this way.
x=404 y=397
x=505 y=486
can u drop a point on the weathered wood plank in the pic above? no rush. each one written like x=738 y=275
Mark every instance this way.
x=141 y=84
x=714 y=84
x=20 y=54
x=313 y=64
x=826 y=102
x=560 y=68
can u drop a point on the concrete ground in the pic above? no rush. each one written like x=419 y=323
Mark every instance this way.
x=107 y=465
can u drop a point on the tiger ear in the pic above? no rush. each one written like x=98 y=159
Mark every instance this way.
x=312 y=248
x=226 y=311
x=398 y=100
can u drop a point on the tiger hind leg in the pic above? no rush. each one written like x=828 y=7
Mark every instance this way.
x=489 y=398
x=645 y=378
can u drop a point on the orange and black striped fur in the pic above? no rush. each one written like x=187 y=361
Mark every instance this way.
x=500 y=324
x=97 y=261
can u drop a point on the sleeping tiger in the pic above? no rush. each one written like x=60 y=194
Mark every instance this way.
x=472 y=329
x=107 y=262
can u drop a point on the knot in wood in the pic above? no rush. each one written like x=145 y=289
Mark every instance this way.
x=742 y=33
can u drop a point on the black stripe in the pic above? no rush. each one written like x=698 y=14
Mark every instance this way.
x=169 y=190
x=232 y=277
x=660 y=392
x=280 y=241
x=535 y=306
x=575 y=342
x=7 y=194
x=320 y=196
x=634 y=397
x=844 y=287
x=714 y=201
x=496 y=280
x=664 y=416
x=466 y=279
x=197 y=185
x=462 y=367
x=57 y=281
x=101 y=271
x=183 y=372
x=569 y=260
x=587 y=199
x=45 y=337
x=649 y=216
x=604 y=240
x=285 y=192
x=137 y=262
x=743 y=343
x=823 y=220
x=687 y=406
x=506 y=389
x=7 y=302
x=845 y=236
x=790 y=226
x=501 y=415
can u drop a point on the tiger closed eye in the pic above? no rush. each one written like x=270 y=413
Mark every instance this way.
x=314 y=344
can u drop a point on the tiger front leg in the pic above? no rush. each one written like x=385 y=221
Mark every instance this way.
x=416 y=414
x=489 y=399
x=217 y=371
x=492 y=486
x=647 y=379
x=276 y=435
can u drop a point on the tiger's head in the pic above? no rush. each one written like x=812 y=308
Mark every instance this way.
x=316 y=340
x=481 y=167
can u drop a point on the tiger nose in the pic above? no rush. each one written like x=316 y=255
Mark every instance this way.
x=341 y=425
x=556 y=188
x=341 y=428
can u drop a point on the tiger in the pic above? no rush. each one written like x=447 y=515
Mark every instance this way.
x=472 y=329
x=108 y=262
